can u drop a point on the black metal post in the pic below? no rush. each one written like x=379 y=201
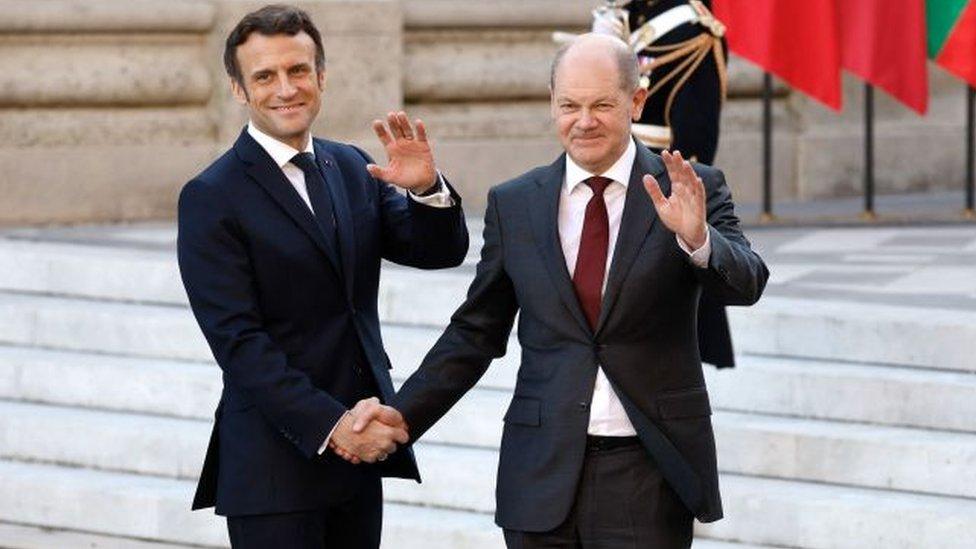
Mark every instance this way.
x=868 y=152
x=767 y=211
x=970 y=211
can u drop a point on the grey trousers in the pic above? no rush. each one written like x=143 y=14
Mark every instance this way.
x=622 y=502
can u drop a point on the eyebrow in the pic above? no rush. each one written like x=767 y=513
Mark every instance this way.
x=603 y=99
x=259 y=72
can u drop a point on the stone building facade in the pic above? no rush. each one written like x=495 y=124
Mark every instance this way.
x=108 y=106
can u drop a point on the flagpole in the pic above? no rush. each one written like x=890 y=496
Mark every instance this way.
x=767 y=197
x=868 y=213
x=970 y=212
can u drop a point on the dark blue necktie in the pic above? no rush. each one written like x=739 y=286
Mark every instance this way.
x=318 y=194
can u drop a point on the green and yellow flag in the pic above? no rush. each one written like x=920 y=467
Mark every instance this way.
x=951 y=27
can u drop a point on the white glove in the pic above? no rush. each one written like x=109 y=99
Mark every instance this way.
x=604 y=22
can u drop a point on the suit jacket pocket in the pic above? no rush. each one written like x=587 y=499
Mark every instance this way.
x=686 y=403
x=524 y=411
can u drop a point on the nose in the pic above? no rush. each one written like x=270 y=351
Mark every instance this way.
x=586 y=120
x=285 y=86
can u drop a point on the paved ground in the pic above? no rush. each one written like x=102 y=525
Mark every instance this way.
x=921 y=266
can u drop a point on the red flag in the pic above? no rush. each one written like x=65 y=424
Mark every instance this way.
x=797 y=40
x=958 y=53
x=883 y=42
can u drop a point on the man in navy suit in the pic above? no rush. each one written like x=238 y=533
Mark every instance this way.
x=280 y=243
x=603 y=254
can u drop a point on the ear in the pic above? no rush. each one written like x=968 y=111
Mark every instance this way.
x=322 y=79
x=638 y=100
x=240 y=94
x=552 y=103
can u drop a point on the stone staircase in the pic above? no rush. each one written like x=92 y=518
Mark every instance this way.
x=845 y=425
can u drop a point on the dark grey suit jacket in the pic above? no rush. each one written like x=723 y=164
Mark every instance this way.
x=645 y=341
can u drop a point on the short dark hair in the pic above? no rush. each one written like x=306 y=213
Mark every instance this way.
x=269 y=21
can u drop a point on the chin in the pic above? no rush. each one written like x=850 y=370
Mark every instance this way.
x=589 y=156
x=291 y=130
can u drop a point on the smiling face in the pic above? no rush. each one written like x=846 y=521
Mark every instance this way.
x=282 y=89
x=591 y=111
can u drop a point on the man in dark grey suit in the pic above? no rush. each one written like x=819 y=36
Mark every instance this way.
x=608 y=441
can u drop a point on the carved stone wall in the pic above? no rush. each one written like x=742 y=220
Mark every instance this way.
x=108 y=106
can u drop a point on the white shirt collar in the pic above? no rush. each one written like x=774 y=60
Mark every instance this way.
x=280 y=152
x=619 y=172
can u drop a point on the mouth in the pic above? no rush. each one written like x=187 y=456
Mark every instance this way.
x=586 y=138
x=285 y=109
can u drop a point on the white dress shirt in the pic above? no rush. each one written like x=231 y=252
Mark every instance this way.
x=282 y=155
x=607 y=415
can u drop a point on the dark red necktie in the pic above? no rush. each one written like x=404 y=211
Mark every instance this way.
x=591 y=261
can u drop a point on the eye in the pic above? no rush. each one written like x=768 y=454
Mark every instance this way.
x=299 y=70
x=262 y=78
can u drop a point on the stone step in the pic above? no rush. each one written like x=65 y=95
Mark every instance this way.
x=795 y=514
x=779 y=326
x=105 y=327
x=847 y=392
x=462 y=449
x=857 y=332
x=17 y=536
x=131 y=274
x=127 y=505
x=770 y=385
x=51 y=521
x=763 y=511
x=703 y=543
x=810 y=515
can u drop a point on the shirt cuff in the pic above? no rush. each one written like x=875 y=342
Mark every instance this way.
x=325 y=445
x=700 y=256
x=440 y=199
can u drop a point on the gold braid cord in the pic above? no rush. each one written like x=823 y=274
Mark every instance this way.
x=691 y=53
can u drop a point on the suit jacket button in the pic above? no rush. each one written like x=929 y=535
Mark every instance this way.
x=583 y=406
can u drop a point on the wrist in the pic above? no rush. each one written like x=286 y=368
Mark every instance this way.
x=426 y=190
x=697 y=239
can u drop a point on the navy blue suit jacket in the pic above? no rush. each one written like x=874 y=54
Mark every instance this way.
x=291 y=317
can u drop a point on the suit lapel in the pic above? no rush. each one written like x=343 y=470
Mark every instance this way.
x=263 y=170
x=340 y=203
x=638 y=218
x=544 y=210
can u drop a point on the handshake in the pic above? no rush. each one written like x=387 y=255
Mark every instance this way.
x=369 y=432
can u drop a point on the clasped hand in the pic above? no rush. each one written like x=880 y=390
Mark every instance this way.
x=369 y=432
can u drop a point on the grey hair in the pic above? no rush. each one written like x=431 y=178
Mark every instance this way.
x=627 y=65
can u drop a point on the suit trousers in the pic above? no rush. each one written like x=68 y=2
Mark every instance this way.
x=622 y=502
x=351 y=524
